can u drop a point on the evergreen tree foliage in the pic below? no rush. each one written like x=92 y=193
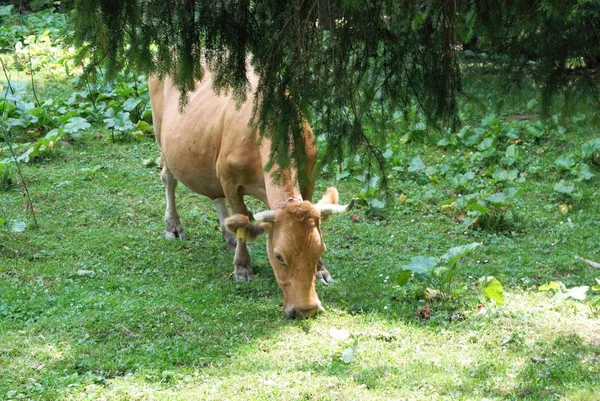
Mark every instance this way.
x=350 y=64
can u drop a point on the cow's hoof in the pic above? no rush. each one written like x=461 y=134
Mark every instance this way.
x=175 y=234
x=324 y=277
x=242 y=274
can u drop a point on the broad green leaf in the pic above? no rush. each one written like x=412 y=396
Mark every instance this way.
x=500 y=174
x=590 y=147
x=464 y=130
x=565 y=161
x=416 y=164
x=143 y=126
x=577 y=293
x=497 y=199
x=513 y=192
x=340 y=175
x=478 y=208
x=564 y=187
x=376 y=203
x=429 y=171
x=131 y=103
x=2 y=222
x=18 y=226
x=53 y=135
x=492 y=289
x=583 y=172
x=455 y=254
x=421 y=264
x=486 y=144
x=513 y=174
x=552 y=286
x=403 y=277
x=6 y=10
x=512 y=152
x=76 y=124
x=347 y=355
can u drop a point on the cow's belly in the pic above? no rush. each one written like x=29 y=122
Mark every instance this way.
x=192 y=165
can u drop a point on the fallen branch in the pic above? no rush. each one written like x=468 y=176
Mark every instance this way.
x=588 y=262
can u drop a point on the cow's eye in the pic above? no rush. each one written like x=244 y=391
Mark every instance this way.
x=279 y=258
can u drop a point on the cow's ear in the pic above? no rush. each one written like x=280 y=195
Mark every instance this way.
x=240 y=225
x=331 y=197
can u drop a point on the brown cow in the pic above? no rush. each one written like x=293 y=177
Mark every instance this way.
x=212 y=150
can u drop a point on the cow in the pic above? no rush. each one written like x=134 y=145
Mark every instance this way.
x=211 y=148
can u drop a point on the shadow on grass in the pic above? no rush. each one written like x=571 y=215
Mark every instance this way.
x=563 y=369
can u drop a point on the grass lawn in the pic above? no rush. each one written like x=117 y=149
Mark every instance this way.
x=96 y=305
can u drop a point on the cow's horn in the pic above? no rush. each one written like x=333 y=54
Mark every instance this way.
x=267 y=215
x=327 y=210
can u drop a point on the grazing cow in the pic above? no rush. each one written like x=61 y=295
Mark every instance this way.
x=212 y=150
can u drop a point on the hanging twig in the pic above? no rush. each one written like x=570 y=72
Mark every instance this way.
x=8 y=140
x=5 y=70
x=21 y=177
x=37 y=100
x=90 y=95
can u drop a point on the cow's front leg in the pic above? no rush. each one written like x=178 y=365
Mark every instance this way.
x=173 y=228
x=242 y=267
x=323 y=275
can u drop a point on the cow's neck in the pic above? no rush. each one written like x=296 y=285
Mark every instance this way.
x=280 y=191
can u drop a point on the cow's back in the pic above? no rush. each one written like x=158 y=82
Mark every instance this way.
x=209 y=140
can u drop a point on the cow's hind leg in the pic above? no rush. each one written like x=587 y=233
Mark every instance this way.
x=223 y=213
x=323 y=275
x=173 y=227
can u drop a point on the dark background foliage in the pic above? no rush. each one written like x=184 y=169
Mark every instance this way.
x=351 y=65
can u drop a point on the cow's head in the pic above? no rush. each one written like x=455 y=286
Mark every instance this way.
x=294 y=246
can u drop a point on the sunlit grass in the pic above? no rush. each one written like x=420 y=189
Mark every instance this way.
x=96 y=304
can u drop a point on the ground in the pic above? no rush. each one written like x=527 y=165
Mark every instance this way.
x=96 y=304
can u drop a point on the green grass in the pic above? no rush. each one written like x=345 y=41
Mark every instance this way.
x=95 y=304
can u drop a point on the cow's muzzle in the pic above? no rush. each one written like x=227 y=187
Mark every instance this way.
x=298 y=313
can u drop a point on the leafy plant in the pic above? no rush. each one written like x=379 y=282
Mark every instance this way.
x=560 y=291
x=16 y=27
x=370 y=192
x=437 y=274
x=484 y=210
x=590 y=151
x=580 y=293
x=578 y=165
x=575 y=163
x=492 y=289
